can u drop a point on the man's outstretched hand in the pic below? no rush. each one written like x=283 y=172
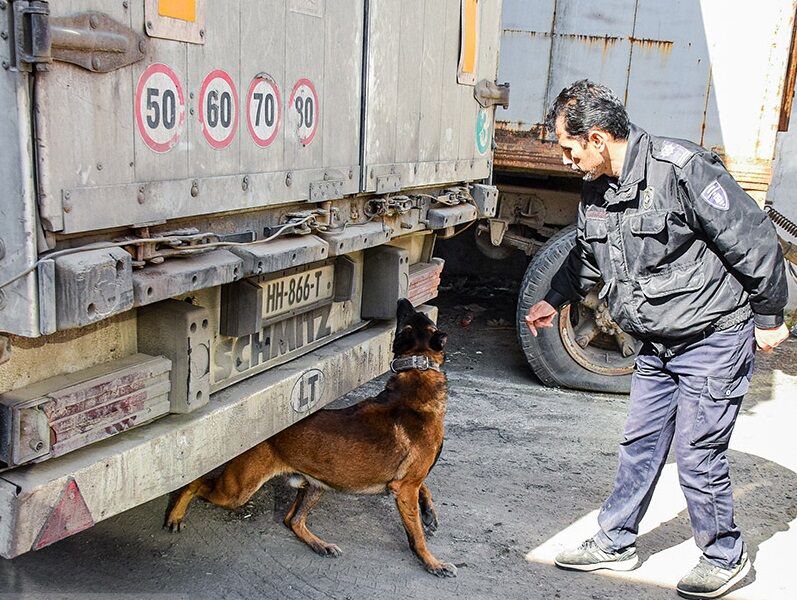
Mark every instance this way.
x=540 y=315
x=767 y=339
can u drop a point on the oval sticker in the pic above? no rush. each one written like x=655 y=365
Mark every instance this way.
x=160 y=107
x=308 y=390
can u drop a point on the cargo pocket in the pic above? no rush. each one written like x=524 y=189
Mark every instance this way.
x=650 y=222
x=689 y=278
x=596 y=229
x=717 y=409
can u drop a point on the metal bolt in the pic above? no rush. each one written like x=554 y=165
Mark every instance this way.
x=149 y=24
x=201 y=33
x=191 y=111
x=3 y=35
x=5 y=64
x=191 y=95
x=67 y=207
x=93 y=21
x=36 y=445
x=289 y=179
x=125 y=4
x=351 y=173
x=99 y=166
x=66 y=195
x=141 y=196
x=245 y=183
x=2 y=4
x=95 y=63
x=142 y=46
x=195 y=188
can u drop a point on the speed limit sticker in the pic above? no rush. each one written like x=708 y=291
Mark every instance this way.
x=218 y=109
x=263 y=110
x=303 y=111
x=160 y=107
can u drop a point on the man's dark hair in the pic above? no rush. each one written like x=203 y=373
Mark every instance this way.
x=586 y=105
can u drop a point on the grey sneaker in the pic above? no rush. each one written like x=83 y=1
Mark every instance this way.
x=707 y=580
x=590 y=557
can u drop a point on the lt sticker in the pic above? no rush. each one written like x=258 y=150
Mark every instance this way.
x=482 y=131
x=716 y=196
x=307 y=391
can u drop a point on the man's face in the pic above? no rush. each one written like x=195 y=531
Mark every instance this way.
x=588 y=158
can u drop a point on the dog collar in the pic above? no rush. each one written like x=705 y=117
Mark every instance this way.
x=407 y=363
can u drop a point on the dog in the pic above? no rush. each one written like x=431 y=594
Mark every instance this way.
x=386 y=443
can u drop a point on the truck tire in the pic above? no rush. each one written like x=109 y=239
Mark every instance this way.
x=605 y=364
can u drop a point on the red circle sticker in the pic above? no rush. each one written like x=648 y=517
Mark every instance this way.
x=304 y=111
x=263 y=110
x=160 y=107
x=218 y=109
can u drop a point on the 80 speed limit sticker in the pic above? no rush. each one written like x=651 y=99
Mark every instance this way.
x=263 y=109
x=303 y=111
x=160 y=107
x=218 y=109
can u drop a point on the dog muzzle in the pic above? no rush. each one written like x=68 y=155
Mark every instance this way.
x=408 y=363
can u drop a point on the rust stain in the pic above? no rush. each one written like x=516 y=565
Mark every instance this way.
x=665 y=46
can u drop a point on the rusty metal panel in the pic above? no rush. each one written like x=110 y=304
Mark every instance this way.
x=670 y=69
x=739 y=125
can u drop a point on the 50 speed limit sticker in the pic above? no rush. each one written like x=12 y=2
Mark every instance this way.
x=160 y=107
x=263 y=109
x=218 y=109
x=303 y=111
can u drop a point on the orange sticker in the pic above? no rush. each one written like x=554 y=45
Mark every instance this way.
x=185 y=10
x=469 y=37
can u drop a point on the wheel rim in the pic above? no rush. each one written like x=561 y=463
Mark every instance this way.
x=594 y=340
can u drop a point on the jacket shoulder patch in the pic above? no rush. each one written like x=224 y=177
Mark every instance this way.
x=715 y=195
x=671 y=152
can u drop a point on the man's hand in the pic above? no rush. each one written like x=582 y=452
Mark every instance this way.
x=767 y=339
x=540 y=315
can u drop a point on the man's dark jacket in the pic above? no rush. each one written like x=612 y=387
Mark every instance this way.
x=678 y=243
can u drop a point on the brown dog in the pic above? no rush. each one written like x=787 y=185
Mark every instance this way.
x=389 y=442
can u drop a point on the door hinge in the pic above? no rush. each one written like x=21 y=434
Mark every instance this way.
x=488 y=93
x=91 y=40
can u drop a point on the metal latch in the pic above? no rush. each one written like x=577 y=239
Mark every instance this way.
x=91 y=40
x=488 y=93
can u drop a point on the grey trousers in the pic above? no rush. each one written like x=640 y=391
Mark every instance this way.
x=693 y=398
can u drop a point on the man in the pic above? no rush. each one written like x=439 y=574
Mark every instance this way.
x=691 y=267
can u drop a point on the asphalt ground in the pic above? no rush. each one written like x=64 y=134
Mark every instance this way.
x=522 y=472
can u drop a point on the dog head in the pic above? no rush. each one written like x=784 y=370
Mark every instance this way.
x=417 y=334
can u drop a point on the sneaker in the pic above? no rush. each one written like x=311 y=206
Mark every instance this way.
x=707 y=580
x=591 y=557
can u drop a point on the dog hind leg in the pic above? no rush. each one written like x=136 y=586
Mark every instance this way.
x=241 y=478
x=407 y=501
x=428 y=512
x=306 y=498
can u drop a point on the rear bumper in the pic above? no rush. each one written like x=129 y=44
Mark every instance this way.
x=38 y=504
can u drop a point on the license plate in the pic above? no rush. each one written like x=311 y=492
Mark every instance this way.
x=286 y=294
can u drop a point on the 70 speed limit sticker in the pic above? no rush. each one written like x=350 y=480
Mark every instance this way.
x=303 y=111
x=263 y=109
x=218 y=109
x=159 y=108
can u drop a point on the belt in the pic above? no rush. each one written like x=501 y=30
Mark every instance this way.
x=740 y=315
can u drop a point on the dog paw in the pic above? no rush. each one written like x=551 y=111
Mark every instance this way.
x=174 y=525
x=442 y=570
x=330 y=550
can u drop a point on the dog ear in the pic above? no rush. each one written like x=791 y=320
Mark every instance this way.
x=404 y=310
x=438 y=341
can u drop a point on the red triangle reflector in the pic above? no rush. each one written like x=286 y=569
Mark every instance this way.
x=69 y=516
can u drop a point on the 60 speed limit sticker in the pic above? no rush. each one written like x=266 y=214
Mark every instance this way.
x=218 y=109
x=263 y=109
x=160 y=107
x=303 y=111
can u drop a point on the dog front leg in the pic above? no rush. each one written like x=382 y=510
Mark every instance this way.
x=428 y=512
x=407 y=500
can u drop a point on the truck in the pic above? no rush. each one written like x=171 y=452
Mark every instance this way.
x=720 y=74
x=208 y=211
